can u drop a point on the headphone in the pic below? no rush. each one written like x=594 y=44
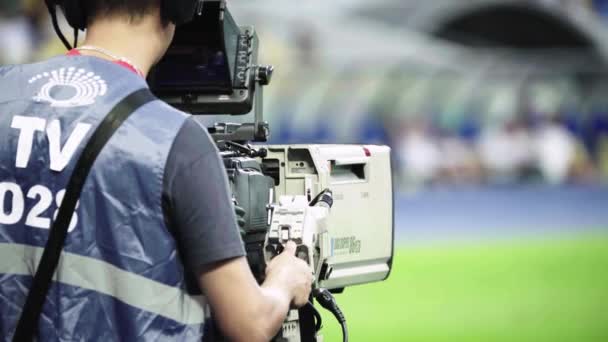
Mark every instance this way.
x=177 y=11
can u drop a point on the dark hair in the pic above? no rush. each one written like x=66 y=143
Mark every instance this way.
x=134 y=9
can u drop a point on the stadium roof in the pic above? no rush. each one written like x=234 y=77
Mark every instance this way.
x=408 y=29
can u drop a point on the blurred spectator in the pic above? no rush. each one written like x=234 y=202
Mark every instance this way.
x=420 y=154
x=506 y=151
x=16 y=42
x=459 y=162
x=556 y=151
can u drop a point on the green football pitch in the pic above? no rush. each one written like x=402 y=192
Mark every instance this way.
x=521 y=290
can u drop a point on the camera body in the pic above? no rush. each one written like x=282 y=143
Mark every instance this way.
x=355 y=246
x=346 y=242
x=355 y=243
x=334 y=201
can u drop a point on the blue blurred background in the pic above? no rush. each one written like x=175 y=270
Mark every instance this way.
x=497 y=114
x=467 y=93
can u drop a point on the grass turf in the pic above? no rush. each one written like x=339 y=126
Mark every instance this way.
x=529 y=290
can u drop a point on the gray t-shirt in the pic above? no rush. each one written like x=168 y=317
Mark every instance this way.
x=197 y=202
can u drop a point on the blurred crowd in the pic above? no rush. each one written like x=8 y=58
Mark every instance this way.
x=525 y=148
x=521 y=150
x=462 y=129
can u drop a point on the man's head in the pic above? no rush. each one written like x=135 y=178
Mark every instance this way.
x=138 y=14
x=139 y=29
x=175 y=11
x=132 y=10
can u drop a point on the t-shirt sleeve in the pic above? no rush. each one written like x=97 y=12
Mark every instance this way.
x=197 y=202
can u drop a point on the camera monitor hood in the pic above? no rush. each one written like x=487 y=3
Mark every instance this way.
x=211 y=66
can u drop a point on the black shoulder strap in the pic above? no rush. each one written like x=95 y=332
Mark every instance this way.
x=28 y=324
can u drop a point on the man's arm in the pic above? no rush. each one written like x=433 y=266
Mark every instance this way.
x=200 y=213
x=246 y=311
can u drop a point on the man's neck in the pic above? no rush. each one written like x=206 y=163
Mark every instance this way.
x=138 y=42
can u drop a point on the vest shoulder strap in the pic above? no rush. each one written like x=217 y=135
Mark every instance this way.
x=28 y=323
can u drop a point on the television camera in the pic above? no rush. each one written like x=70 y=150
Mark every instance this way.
x=334 y=201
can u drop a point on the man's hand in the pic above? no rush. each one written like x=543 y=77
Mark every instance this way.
x=286 y=268
x=248 y=312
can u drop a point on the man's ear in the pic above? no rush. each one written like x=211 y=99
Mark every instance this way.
x=168 y=36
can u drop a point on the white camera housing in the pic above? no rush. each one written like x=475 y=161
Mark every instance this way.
x=354 y=244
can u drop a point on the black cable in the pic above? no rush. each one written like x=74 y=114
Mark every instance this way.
x=327 y=300
x=325 y=195
x=75 y=45
x=344 y=332
x=53 y=11
x=318 y=318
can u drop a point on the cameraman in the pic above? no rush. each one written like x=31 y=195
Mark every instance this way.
x=155 y=211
